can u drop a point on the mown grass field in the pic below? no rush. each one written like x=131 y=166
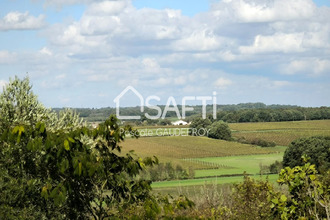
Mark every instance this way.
x=282 y=133
x=250 y=164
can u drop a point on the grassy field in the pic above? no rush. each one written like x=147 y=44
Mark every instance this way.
x=213 y=159
x=282 y=133
x=238 y=164
x=212 y=180
x=180 y=149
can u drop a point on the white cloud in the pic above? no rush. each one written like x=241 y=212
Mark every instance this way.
x=162 y=81
x=115 y=44
x=61 y=76
x=150 y=63
x=279 y=84
x=198 y=41
x=312 y=67
x=107 y=7
x=279 y=42
x=61 y=3
x=6 y=57
x=265 y=11
x=19 y=21
x=46 y=51
x=222 y=83
x=116 y=28
x=180 y=80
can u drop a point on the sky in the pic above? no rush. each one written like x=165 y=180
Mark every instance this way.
x=84 y=53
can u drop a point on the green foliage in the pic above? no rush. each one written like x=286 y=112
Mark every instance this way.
x=216 y=130
x=53 y=167
x=159 y=207
x=66 y=173
x=251 y=200
x=275 y=167
x=18 y=104
x=317 y=148
x=165 y=171
x=308 y=197
x=273 y=113
x=198 y=124
x=220 y=130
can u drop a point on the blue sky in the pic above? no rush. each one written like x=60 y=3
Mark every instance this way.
x=83 y=53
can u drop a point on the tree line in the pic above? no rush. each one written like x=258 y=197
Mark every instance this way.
x=100 y=114
x=274 y=115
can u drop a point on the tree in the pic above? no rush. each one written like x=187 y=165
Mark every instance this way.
x=19 y=105
x=54 y=167
x=220 y=130
x=317 y=148
x=198 y=123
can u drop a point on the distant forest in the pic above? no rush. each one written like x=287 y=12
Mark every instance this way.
x=243 y=112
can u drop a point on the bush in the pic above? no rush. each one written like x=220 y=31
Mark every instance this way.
x=257 y=141
x=275 y=167
x=262 y=143
x=165 y=171
x=220 y=130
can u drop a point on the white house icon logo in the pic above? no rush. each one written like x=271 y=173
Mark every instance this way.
x=170 y=102
x=117 y=101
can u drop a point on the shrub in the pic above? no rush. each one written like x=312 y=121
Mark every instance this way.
x=262 y=143
x=220 y=130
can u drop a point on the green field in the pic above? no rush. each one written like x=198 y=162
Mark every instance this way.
x=213 y=159
x=180 y=149
x=212 y=180
x=238 y=164
x=282 y=133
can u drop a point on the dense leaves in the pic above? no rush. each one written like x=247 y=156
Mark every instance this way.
x=220 y=130
x=216 y=130
x=54 y=167
x=317 y=148
x=308 y=198
x=66 y=173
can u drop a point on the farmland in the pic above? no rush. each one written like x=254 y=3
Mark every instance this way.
x=184 y=149
x=282 y=133
x=218 y=161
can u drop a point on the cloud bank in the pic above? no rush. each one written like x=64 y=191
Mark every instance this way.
x=236 y=48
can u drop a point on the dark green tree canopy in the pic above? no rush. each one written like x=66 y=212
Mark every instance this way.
x=317 y=148
x=220 y=130
x=200 y=123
